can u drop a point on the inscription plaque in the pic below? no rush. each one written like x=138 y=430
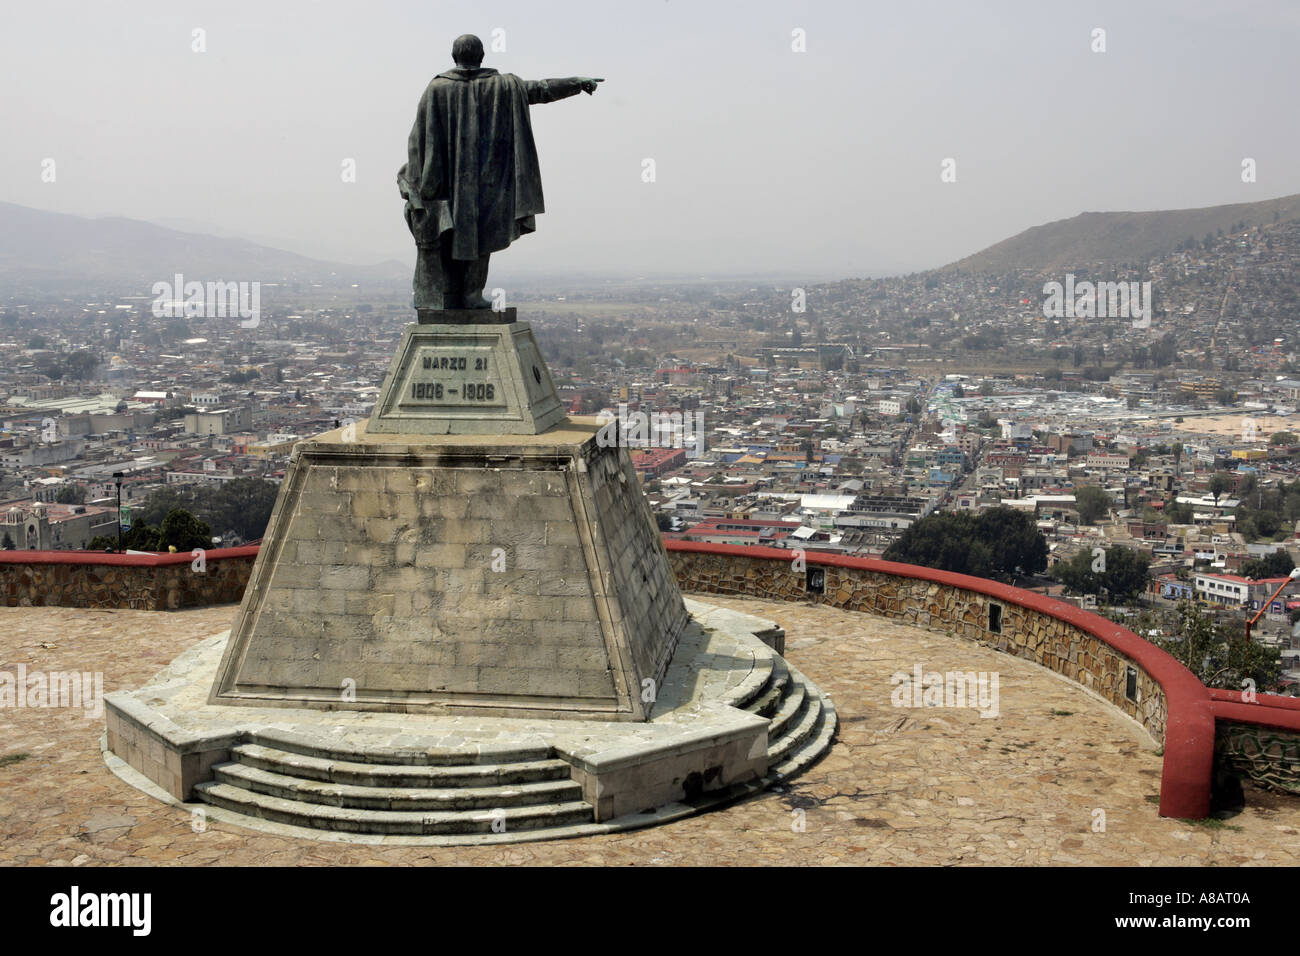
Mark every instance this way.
x=453 y=378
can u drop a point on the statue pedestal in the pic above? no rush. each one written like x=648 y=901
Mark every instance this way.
x=467 y=378
x=460 y=606
x=497 y=575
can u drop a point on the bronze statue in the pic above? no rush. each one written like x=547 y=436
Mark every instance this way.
x=471 y=181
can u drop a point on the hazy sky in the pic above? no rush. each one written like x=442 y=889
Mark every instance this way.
x=824 y=162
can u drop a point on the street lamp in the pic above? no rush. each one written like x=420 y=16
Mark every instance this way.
x=1293 y=576
x=118 y=476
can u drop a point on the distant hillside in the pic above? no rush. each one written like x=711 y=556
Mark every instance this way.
x=48 y=249
x=1117 y=237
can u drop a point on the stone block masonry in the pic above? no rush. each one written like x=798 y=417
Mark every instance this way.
x=500 y=575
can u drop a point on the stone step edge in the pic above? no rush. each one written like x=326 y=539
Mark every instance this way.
x=485 y=753
x=797 y=733
x=792 y=704
x=798 y=730
x=816 y=746
x=774 y=692
x=355 y=797
x=324 y=771
x=379 y=822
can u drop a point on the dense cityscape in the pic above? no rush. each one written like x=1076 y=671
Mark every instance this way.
x=829 y=418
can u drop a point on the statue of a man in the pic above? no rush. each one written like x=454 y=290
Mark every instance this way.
x=471 y=181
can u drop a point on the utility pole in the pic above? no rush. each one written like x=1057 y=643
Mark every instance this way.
x=117 y=476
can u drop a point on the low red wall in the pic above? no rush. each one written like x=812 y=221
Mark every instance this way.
x=147 y=582
x=1186 y=721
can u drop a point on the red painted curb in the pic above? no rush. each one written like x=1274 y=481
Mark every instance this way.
x=124 y=560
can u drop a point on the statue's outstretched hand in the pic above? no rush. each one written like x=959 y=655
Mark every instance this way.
x=589 y=83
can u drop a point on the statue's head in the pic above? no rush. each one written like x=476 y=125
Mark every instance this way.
x=467 y=51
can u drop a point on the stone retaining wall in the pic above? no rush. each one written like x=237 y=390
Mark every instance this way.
x=147 y=582
x=1023 y=632
x=1270 y=756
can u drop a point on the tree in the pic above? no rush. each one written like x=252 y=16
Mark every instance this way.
x=80 y=365
x=243 y=505
x=958 y=392
x=183 y=531
x=71 y=495
x=1219 y=657
x=7 y=544
x=1121 y=571
x=995 y=543
x=1092 y=503
x=1283 y=438
x=51 y=368
x=986 y=388
x=138 y=537
x=1275 y=565
x=1219 y=485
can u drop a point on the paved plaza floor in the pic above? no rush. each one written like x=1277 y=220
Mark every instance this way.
x=903 y=786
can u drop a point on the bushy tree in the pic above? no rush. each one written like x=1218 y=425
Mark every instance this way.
x=138 y=537
x=183 y=531
x=1121 y=571
x=243 y=505
x=1219 y=485
x=1092 y=503
x=1218 y=656
x=71 y=495
x=1275 y=565
x=994 y=543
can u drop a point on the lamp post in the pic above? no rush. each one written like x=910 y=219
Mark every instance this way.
x=117 y=476
x=1294 y=575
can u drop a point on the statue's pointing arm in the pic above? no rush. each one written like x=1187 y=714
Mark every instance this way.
x=548 y=91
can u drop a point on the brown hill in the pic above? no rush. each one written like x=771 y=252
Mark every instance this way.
x=1120 y=237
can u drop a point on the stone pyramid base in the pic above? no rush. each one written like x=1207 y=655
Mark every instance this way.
x=511 y=575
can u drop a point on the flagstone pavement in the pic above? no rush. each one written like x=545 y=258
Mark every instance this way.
x=1056 y=778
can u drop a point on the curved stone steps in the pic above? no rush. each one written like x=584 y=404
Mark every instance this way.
x=791 y=706
x=501 y=820
x=326 y=770
x=769 y=699
x=395 y=798
x=756 y=682
x=797 y=731
x=797 y=759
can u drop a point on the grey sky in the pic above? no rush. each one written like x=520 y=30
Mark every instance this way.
x=818 y=163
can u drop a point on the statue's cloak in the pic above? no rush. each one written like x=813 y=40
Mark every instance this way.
x=472 y=165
